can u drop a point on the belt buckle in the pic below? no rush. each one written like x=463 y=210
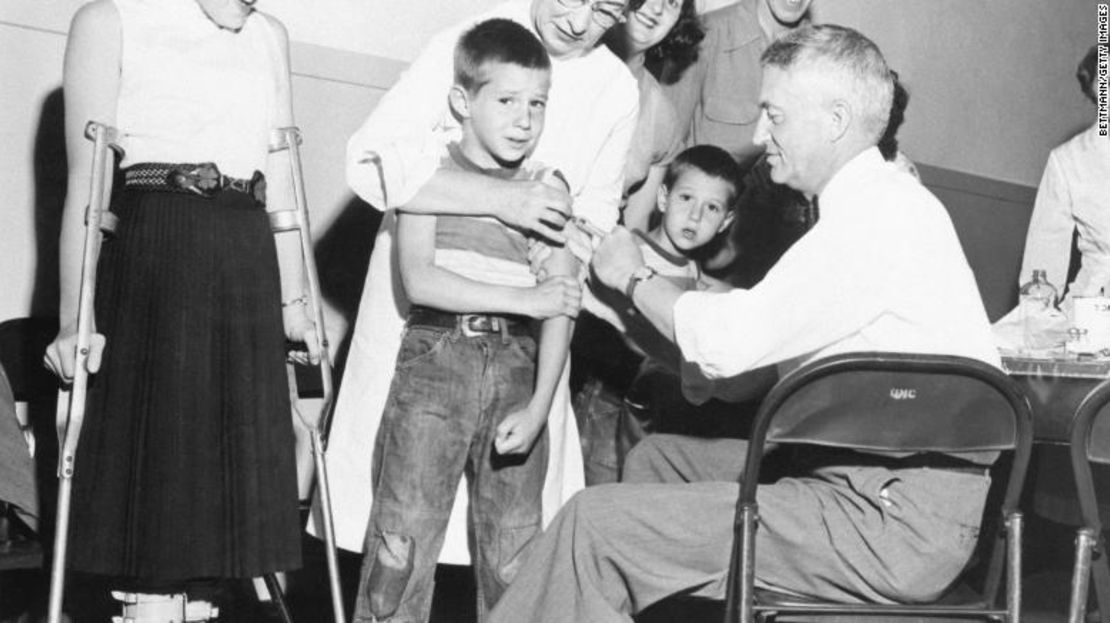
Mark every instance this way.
x=472 y=325
x=202 y=179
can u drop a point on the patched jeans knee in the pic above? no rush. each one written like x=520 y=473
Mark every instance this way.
x=391 y=564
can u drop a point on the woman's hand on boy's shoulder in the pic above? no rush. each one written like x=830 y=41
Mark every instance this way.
x=534 y=206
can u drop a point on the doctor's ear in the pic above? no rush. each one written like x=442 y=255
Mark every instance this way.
x=841 y=118
x=459 y=100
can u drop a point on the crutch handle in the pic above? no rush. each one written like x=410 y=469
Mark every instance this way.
x=284 y=138
x=111 y=136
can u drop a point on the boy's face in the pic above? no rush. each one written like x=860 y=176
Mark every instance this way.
x=695 y=209
x=503 y=118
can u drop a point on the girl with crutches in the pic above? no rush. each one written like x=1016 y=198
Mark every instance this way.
x=185 y=466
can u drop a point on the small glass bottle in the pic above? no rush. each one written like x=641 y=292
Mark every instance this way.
x=1037 y=300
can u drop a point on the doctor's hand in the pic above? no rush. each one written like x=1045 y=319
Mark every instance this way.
x=616 y=258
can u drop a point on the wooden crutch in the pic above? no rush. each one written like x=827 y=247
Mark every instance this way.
x=71 y=401
x=290 y=220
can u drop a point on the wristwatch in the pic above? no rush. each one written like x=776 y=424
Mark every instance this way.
x=642 y=273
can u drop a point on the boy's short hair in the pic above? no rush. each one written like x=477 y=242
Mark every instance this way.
x=712 y=161
x=496 y=40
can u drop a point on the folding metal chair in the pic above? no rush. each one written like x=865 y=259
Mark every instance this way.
x=17 y=490
x=891 y=402
x=1090 y=441
x=22 y=342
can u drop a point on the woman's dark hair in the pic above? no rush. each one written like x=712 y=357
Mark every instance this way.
x=888 y=142
x=1087 y=72
x=669 y=58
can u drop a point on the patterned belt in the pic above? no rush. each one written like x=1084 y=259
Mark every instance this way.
x=470 y=324
x=202 y=179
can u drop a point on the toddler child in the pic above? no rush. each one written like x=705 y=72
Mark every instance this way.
x=697 y=201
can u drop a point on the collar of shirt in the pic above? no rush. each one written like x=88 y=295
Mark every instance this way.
x=849 y=180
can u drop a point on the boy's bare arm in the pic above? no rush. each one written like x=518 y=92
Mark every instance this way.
x=432 y=286
x=519 y=430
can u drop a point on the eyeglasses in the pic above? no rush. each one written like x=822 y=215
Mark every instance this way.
x=605 y=14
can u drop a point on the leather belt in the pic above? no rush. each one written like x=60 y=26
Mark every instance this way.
x=202 y=179
x=470 y=325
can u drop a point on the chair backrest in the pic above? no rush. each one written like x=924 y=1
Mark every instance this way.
x=1090 y=441
x=898 y=403
x=1090 y=430
x=23 y=342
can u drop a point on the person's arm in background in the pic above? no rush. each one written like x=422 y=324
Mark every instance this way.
x=685 y=94
x=1048 y=241
x=91 y=86
x=296 y=315
x=393 y=159
x=669 y=137
x=598 y=197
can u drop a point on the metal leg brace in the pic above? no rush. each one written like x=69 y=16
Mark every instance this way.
x=163 y=608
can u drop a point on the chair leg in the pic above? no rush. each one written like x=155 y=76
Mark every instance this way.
x=1015 y=536
x=278 y=595
x=1100 y=571
x=1080 y=575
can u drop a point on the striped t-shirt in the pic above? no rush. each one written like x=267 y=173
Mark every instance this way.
x=483 y=248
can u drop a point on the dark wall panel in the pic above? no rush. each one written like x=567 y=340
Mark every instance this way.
x=991 y=218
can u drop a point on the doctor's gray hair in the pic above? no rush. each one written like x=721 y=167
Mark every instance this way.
x=840 y=51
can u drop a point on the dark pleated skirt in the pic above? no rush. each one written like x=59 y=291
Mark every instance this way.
x=185 y=467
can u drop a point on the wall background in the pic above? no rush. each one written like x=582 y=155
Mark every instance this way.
x=991 y=82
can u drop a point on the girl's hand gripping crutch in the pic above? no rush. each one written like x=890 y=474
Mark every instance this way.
x=71 y=401
x=297 y=220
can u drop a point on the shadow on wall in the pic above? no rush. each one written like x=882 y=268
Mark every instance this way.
x=50 y=173
x=342 y=257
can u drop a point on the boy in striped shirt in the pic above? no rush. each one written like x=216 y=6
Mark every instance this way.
x=472 y=387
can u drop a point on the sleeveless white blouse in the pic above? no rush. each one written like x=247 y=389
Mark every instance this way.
x=193 y=92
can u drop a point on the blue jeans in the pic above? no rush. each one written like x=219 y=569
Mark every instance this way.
x=598 y=412
x=449 y=393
